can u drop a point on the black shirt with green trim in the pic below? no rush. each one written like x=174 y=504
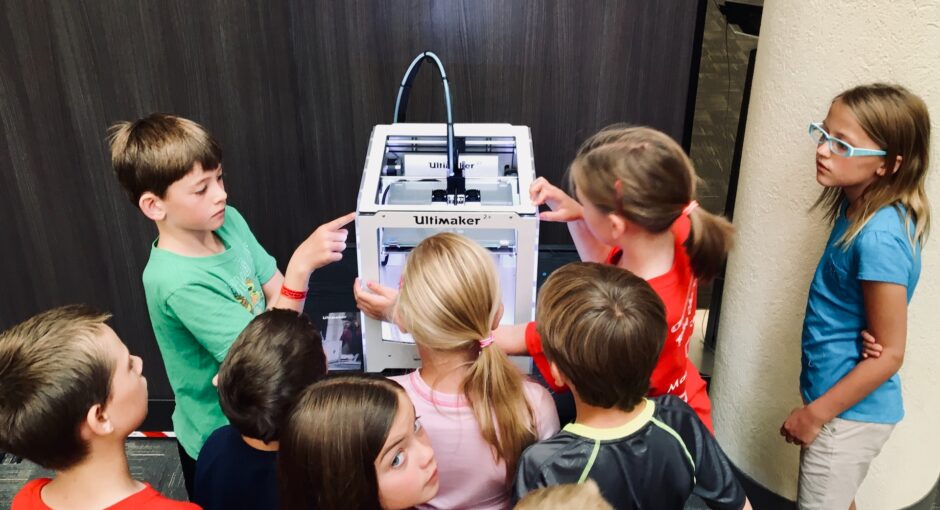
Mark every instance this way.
x=656 y=460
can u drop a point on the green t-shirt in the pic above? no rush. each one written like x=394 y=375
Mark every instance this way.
x=198 y=306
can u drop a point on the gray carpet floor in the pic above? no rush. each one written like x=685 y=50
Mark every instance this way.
x=154 y=461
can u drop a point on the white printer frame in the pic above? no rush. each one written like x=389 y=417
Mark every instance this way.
x=373 y=216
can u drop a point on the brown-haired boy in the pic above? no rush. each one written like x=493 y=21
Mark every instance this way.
x=207 y=275
x=602 y=329
x=71 y=395
x=273 y=360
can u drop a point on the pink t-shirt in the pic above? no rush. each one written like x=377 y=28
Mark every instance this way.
x=470 y=477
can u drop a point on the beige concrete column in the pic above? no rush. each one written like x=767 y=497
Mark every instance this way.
x=810 y=50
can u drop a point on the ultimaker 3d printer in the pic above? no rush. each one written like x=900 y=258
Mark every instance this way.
x=423 y=179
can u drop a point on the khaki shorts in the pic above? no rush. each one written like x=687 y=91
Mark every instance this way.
x=834 y=465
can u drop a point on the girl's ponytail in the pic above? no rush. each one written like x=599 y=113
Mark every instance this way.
x=709 y=242
x=494 y=388
x=449 y=301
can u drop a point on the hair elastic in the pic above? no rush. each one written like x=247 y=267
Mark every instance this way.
x=486 y=341
x=689 y=208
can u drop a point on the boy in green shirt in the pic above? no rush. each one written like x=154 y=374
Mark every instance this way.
x=207 y=276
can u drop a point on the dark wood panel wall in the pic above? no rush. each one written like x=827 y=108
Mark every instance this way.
x=291 y=89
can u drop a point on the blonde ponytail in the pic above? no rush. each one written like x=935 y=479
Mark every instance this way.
x=494 y=388
x=449 y=301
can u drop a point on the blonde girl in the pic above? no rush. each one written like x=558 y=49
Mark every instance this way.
x=477 y=408
x=871 y=159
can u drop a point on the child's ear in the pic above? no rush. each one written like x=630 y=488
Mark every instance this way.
x=897 y=164
x=557 y=377
x=152 y=206
x=96 y=423
x=883 y=169
x=498 y=317
x=215 y=380
x=618 y=225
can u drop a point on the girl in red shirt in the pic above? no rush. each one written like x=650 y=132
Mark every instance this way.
x=635 y=207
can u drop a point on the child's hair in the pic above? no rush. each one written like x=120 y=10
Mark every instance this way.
x=274 y=358
x=152 y=153
x=898 y=122
x=53 y=369
x=331 y=440
x=603 y=327
x=657 y=182
x=585 y=496
x=449 y=299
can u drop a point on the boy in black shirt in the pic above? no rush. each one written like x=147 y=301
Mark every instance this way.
x=602 y=330
x=273 y=360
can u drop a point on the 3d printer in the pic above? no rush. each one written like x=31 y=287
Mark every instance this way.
x=422 y=179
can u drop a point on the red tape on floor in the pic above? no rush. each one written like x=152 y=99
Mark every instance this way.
x=152 y=435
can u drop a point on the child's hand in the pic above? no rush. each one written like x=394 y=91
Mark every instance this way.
x=870 y=347
x=563 y=207
x=376 y=304
x=325 y=245
x=802 y=426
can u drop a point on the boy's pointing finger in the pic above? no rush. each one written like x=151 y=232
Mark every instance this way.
x=341 y=221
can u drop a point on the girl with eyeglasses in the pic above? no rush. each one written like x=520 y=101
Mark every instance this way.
x=871 y=158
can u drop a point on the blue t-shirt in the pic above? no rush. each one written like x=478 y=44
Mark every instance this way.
x=835 y=309
x=232 y=475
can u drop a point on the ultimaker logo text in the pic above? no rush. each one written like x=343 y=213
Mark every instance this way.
x=443 y=164
x=436 y=220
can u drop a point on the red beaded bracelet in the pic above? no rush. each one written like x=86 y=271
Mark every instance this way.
x=293 y=294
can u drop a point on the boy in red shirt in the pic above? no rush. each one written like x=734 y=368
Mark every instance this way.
x=72 y=393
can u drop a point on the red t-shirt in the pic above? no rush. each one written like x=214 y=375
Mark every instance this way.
x=674 y=373
x=29 y=498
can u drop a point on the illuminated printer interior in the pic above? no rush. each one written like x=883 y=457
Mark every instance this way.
x=414 y=173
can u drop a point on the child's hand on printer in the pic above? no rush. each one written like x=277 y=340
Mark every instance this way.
x=563 y=207
x=376 y=304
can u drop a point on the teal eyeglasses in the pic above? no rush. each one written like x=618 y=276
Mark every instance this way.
x=839 y=147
